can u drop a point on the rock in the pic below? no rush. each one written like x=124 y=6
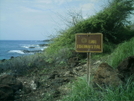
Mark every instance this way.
x=78 y=68
x=1 y=70
x=3 y=60
x=26 y=89
x=34 y=85
x=6 y=93
x=97 y=62
x=126 y=68
x=72 y=62
x=42 y=45
x=56 y=93
x=106 y=75
x=29 y=86
x=11 y=81
x=8 y=86
x=31 y=47
x=66 y=80
x=32 y=51
x=11 y=57
x=54 y=75
x=69 y=74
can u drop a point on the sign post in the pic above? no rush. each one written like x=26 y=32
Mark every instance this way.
x=88 y=67
x=89 y=43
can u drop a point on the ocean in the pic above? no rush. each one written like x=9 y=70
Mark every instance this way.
x=15 y=48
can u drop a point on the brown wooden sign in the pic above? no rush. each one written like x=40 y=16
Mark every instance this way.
x=90 y=42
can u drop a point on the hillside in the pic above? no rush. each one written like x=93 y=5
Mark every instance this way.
x=64 y=83
x=114 y=29
x=59 y=73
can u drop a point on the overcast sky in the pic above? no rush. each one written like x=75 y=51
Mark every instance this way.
x=40 y=19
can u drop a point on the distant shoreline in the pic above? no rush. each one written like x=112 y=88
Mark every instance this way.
x=21 y=48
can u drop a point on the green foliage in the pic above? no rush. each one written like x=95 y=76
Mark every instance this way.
x=108 y=47
x=22 y=64
x=82 y=92
x=122 y=93
x=111 y=21
x=123 y=51
x=60 y=57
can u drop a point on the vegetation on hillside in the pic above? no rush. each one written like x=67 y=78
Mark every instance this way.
x=112 y=21
x=118 y=34
x=123 y=51
x=82 y=92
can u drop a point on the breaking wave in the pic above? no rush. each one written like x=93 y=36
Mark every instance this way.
x=34 y=47
x=16 y=51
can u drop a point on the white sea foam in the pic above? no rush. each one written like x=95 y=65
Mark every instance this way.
x=29 y=46
x=16 y=51
x=33 y=47
x=25 y=46
x=43 y=48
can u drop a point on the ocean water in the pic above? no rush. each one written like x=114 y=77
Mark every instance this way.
x=15 y=48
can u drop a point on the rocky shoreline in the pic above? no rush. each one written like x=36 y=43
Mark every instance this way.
x=49 y=84
x=32 y=50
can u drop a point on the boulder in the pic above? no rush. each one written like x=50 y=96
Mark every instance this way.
x=43 y=45
x=6 y=93
x=32 y=47
x=1 y=70
x=105 y=75
x=11 y=81
x=8 y=86
x=126 y=68
x=69 y=74
x=32 y=51
x=54 y=75
x=72 y=62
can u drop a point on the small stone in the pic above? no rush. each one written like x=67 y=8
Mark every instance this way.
x=97 y=62
x=33 y=85
x=42 y=94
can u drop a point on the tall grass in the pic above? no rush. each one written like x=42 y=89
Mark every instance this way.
x=123 y=51
x=82 y=92
x=122 y=93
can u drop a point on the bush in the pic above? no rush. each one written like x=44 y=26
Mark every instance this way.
x=82 y=92
x=22 y=64
x=61 y=57
x=123 y=51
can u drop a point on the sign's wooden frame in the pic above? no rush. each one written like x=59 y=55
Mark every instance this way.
x=89 y=34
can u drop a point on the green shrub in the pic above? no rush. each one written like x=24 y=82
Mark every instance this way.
x=123 y=51
x=24 y=63
x=108 y=47
x=122 y=93
x=82 y=92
